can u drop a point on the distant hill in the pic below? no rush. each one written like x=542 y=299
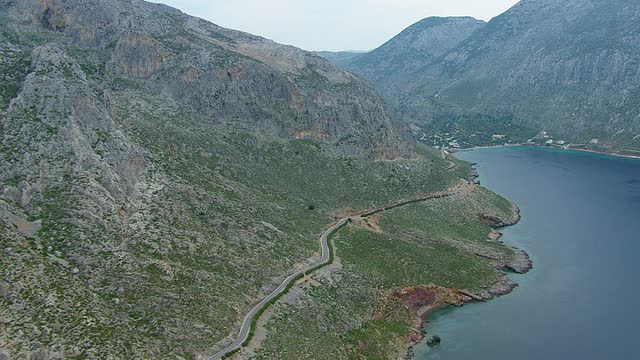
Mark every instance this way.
x=341 y=58
x=412 y=49
x=568 y=67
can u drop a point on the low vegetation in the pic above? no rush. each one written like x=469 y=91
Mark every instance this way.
x=155 y=184
x=434 y=242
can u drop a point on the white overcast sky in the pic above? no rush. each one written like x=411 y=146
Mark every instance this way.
x=332 y=24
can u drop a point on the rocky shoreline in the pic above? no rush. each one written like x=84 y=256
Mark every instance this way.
x=503 y=285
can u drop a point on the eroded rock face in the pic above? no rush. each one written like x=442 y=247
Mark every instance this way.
x=425 y=297
x=88 y=28
x=139 y=56
x=50 y=15
x=417 y=297
x=416 y=301
x=413 y=303
x=222 y=73
x=58 y=116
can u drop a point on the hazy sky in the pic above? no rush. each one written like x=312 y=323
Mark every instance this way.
x=332 y=24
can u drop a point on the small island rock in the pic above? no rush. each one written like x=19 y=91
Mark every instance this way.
x=434 y=340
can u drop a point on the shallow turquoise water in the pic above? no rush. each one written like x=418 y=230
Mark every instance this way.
x=581 y=226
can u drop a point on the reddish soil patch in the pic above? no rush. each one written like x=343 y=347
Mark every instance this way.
x=418 y=297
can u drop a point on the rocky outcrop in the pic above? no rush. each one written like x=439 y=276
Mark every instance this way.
x=139 y=56
x=50 y=14
x=416 y=303
x=434 y=340
x=497 y=222
x=423 y=300
x=88 y=28
x=521 y=262
x=57 y=115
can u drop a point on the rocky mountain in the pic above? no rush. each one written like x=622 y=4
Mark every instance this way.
x=225 y=74
x=158 y=173
x=415 y=47
x=566 y=67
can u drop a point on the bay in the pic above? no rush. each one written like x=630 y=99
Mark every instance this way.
x=581 y=226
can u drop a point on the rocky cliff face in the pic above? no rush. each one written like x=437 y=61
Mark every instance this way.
x=55 y=116
x=222 y=73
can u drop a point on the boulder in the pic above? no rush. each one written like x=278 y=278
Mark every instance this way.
x=434 y=340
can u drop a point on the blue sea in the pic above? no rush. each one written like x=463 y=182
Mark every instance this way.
x=581 y=226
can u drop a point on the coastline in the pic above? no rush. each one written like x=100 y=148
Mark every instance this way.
x=520 y=264
x=563 y=232
x=614 y=154
x=248 y=327
x=503 y=285
x=604 y=153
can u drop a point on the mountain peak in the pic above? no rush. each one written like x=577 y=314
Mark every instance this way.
x=413 y=48
x=569 y=66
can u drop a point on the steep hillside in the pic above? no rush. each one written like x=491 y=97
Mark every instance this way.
x=214 y=74
x=159 y=174
x=566 y=67
x=412 y=49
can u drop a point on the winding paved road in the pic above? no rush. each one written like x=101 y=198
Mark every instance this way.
x=245 y=328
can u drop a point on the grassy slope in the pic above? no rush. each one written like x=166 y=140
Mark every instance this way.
x=228 y=214
x=424 y=243
x=175 y=274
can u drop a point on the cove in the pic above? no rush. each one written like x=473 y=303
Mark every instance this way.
x=581 y=226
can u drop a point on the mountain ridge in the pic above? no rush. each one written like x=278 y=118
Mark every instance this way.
x=137 y=55
x=142 y=152
x=160 y=174
x=415 y=46
x=565 y=67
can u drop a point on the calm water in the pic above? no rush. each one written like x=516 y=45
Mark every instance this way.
x=581 y=226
